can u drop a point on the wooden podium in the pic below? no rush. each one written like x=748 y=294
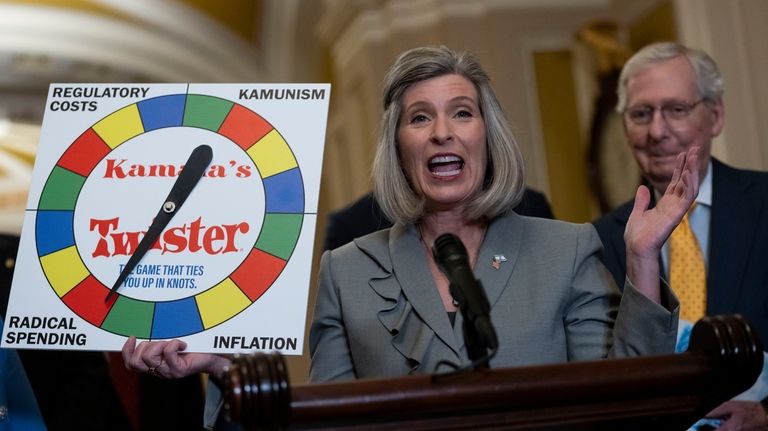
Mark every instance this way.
x=666 y=392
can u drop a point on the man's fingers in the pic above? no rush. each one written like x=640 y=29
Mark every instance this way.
x=642 y=199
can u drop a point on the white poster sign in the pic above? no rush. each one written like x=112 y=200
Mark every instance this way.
x=230 y=270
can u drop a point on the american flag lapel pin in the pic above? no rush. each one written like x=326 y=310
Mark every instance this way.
x=497 y=260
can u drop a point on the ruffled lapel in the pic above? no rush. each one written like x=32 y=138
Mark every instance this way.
x=414 y=313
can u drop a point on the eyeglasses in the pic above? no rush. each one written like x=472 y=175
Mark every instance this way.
x=675 y=113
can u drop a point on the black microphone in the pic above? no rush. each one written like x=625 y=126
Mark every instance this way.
x=452 y=259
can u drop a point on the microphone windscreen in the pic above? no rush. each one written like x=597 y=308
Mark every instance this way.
x=447 y=250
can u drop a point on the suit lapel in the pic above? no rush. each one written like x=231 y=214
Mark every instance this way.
x=732 y=224
x=733 y=220
x=411 y=269
x=502 y=240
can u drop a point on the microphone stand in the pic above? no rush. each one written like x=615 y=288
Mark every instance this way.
x=477 y=353
x=479 y=335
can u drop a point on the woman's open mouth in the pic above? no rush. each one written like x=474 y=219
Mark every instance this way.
x=445 y=166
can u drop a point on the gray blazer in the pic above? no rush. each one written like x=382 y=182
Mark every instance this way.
x=378 y=313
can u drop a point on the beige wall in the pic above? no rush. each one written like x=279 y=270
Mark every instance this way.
x=363 y=38
x=562 y=136
x=734 y=33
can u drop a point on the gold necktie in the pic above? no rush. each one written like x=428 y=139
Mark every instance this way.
x=687 y=274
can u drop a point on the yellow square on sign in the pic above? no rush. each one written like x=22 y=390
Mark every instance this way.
x=272 y=155
x=121 y=126
x=65 y=269
x=221 y=302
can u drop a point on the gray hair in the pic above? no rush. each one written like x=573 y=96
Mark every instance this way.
x=504 y=176
x=708 y=81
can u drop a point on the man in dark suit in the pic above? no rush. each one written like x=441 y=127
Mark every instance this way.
x=364 y=216
x=670 y=98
